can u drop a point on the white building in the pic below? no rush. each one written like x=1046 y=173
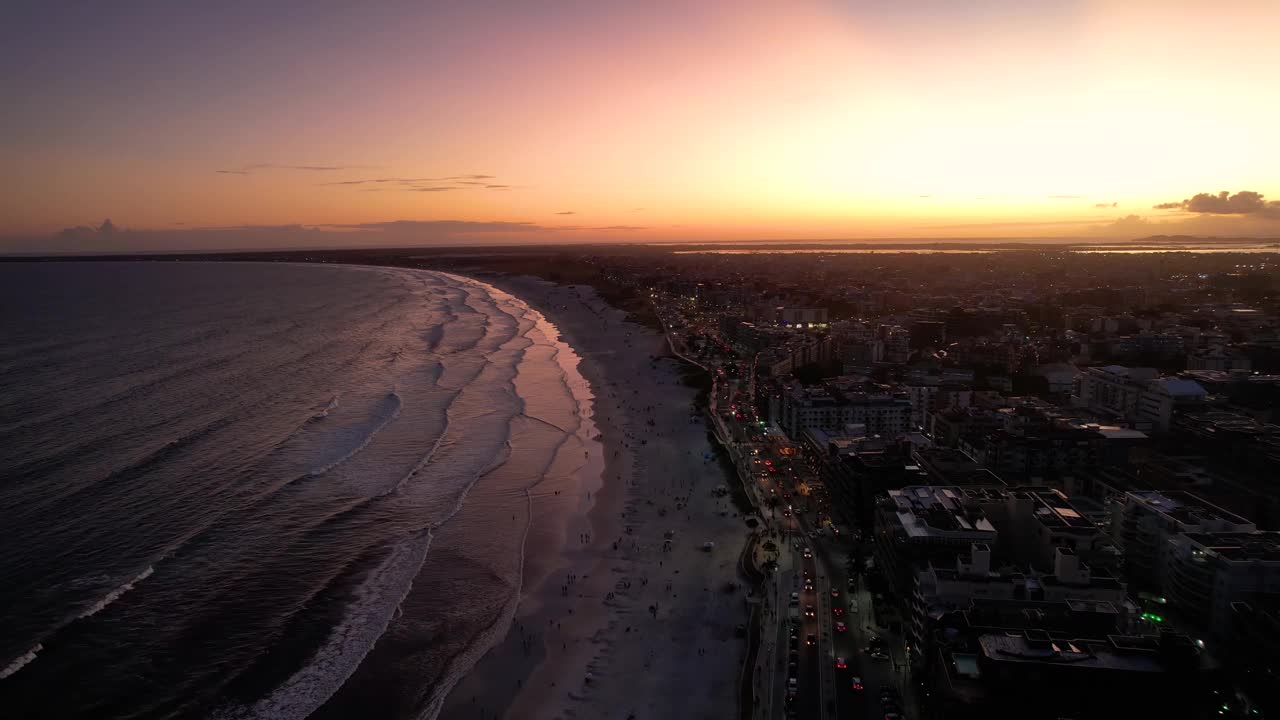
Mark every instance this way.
x=1208 y=571
x=1137 y=395
x=880 y=410
x=938 y=591
x=1150 y=521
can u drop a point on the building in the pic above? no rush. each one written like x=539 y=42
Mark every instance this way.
x=1035 y=675
x=941 y=590
x=928 y=399
x=1036 y=523
x=1037 y=455
x=947 y=466
x=1251 y=653
x=857 y=469
x=920 y=525
x=835 y=405
x=1150 y=521
x=1137 y=395
x=800 y=317
x=948 y=426
x=1209 y=571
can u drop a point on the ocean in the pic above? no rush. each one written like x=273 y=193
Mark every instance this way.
x=268 y=490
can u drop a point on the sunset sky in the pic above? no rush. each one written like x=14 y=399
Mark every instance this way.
x=267 y=124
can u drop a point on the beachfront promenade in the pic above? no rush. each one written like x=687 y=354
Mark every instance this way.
x=782 y=492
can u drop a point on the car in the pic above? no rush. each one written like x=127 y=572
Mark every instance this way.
x=842 y=664
x=856 y=684
x=809 y=611
x=795 y=598
x=834 y=593
x=879 y=656
x=810 y=639
x=792 y=683
x=837 y=610
x=808 y=554
x=841 y=627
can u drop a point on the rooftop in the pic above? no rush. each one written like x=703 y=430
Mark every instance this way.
x=1117 y=652
x=1240 y=546
x=939 y=511
x=1185 y=508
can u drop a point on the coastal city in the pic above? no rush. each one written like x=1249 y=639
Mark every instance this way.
x=995 y=486
x=660 y=360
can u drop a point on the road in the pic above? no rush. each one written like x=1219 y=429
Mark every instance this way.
x=793 y=500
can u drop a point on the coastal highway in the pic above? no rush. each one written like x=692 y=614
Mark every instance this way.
x=792 y=499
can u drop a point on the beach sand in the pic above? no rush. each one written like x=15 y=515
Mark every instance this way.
x=616 y=626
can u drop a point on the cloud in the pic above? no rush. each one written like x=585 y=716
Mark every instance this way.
x=250 y=169
x=923 y=197
x=452 y=226
x=636 y=210
x=620 y=227
x=83 y=232
x=1106 y=205
x=1245 y=202
x=1066 y=197
x=109 y=238
x=567 y=212
x=469 y=181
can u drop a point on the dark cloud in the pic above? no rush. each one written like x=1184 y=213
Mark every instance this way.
x=620 y=227
x=1245 y=202
x=83 y=232
x=1106 y=205
x=1066 y=197
x=497 y=187
x=109 y=238
x=437 y=188
x=567 y=212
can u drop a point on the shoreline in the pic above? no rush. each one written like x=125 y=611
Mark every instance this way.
x=586 y=646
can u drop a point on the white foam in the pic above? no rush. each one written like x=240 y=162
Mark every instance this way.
x=115 y=594
x=22 y=660
x=366 y=620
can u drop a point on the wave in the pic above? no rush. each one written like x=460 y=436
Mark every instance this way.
x=333 y=405
x=368 y=438
x=21 y=661
x=115 y=594
x=367 y=618
x=138 y=467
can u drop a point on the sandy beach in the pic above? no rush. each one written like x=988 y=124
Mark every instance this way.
x=621 y=624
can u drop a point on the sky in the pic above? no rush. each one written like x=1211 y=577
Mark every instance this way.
x=211 y=125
